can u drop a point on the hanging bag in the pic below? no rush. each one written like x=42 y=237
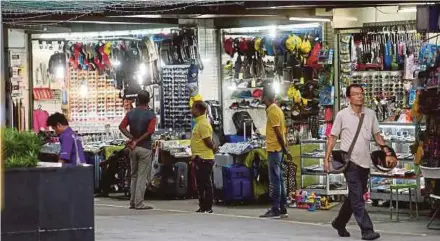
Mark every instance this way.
x=340 y=158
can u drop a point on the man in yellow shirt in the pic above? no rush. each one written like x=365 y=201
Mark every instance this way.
x=203 y=149
x=276 y=147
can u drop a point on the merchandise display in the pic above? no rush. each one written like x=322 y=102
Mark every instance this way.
x=313 y=177
x=400 y=137
x=295 y=62
x=175 y=112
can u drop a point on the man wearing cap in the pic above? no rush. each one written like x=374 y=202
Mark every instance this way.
x=276 y=147
x=142 y=122
x=344 y=127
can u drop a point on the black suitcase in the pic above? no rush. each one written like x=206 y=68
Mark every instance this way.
x=242 y=120
x=175 y=182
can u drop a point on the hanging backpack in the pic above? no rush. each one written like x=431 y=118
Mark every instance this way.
x=243 y=120
x=314 y=55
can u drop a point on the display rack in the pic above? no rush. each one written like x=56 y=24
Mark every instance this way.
x=313 y=177
x=98 y=102
x=399 y=136
x=175 y=98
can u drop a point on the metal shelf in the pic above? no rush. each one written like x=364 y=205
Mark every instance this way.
x=325 y=192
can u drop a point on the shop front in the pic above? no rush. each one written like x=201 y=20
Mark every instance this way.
x=93 y=79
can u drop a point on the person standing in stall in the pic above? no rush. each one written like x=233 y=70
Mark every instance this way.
x=142 y=123
x=345 y=127
x=72 y=151
x=276 y=147
x=203 y=150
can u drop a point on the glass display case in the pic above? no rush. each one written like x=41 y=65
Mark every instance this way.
x=313 y=177
x=400 y=136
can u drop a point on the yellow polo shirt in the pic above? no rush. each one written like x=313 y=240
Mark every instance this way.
x=275 y=117
x=202 y=129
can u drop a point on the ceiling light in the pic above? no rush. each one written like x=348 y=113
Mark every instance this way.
x=407 y=9
x=345 y=18
x=309 y=19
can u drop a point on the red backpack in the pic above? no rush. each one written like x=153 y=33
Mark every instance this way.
x=314 y=54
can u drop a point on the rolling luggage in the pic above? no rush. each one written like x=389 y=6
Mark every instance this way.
x=221 y=160
x=175 y=182
x=237 y=184
x=243 y=123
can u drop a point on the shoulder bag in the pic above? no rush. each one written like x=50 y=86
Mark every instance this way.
x=340 y=158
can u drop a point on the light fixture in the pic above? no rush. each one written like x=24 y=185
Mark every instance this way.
x=345 y=18
x=83 y=89
x=59 y=72
x=276 y=87
x=273 y=31
x=310 y=19
x=116 y=63
x=142 y=69
x=411 y=9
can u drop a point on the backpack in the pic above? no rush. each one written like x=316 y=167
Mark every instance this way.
x=242 y=120
x=314 y=55
x=57 y=60
x=214 y=112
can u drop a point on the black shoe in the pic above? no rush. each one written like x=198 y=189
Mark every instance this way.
x=209 y=211
x=341 y=231
x=283 y=212
x=200 y=210
x=271 y=213
x=101 y=195
x=370 y=236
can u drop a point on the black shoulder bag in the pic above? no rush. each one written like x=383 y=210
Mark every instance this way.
x=340 y=158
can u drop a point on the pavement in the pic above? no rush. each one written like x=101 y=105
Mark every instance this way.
x=176 y=220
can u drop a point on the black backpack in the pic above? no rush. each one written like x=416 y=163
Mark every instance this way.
x=241 y=121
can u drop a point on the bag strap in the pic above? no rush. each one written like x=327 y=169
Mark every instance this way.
x=350 y=150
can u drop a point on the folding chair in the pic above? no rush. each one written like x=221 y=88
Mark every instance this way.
x=432 y=173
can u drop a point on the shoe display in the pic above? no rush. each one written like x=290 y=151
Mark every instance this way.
x=255 y=103
x=244 y=104
x=234 y=106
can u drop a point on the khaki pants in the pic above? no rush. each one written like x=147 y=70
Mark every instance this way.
x=141 y=161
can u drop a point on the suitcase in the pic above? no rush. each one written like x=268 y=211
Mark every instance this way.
x=221 y=160
x=237 y=184
x=175 y=183
x=94 y=158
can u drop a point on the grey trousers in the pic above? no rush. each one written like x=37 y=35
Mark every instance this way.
x=141 y=161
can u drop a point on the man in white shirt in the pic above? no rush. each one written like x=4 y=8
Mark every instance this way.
x=356 y=174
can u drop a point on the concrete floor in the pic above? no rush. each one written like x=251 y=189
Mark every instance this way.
x=176 y=220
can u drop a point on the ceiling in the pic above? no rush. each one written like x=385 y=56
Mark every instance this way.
x=54 y=15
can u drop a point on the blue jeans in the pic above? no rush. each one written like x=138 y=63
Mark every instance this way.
x=278 y=194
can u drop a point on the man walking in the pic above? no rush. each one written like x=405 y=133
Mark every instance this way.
x=276 y=147
x=142 y=122
x=203 y=149
x=345 y=127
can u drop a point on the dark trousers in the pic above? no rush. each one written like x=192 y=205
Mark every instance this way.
x=204 y=182
x=357 y=178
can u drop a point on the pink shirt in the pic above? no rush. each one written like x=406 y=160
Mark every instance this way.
x=39 y=120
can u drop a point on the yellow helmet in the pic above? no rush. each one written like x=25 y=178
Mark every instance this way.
x=258 y=45
x=193 y=99
x=305 y=47
x=107 y=48
x=293 y=43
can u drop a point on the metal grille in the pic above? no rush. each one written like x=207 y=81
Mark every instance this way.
x=78 y=7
